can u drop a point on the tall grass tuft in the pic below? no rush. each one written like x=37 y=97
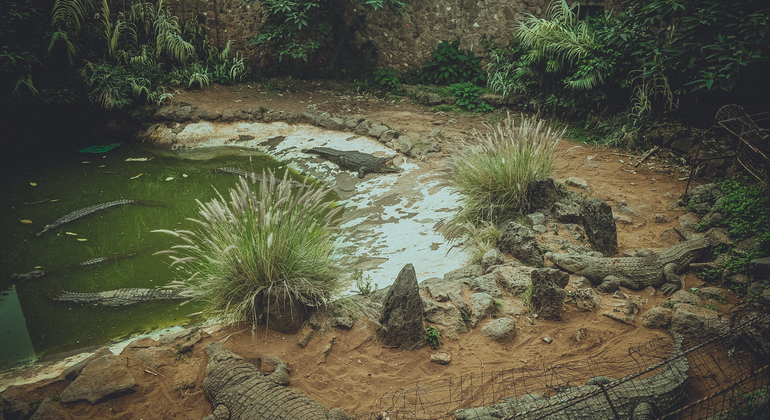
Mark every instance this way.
x=492 y=171
x=272 y=244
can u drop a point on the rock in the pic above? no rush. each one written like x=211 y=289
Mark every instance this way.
x=487 y=284
x=154 y=357
x=658 y=318
x=47 y=410
x=747 y=246
x=718 y=236
x=548 y=292
x=74 y=371
x=696 y=322
x=577 y=182
x=542 y=195
x=671 y=236
x=491 y=258
x=447 y=315
x=600 y=226
x=402 y=313
x=334 y=123
x=104 y=378
x=352 y=122
x=519 y=241
x=502 y=329
x=757 y=334
x=661 y=218
x=344 y=322
x=481 y=307
x=715 y=293
x=459 y=303
x=536 y=218
x=683 y=296
x=376 y=130
x=621 y=317
x=14 y=409
x=548 y=340
x=440 y=288
x=568 y=212
x=688 y=221
x=624 y=209
x=441 y=358
x=586 y=299
x=760 y=268
x=514 y=278
x=576 y=231
x=305 y=340
x=388 y=135
x=465 y=273
x=363 y=127
x=581 y=282
x=682 y=145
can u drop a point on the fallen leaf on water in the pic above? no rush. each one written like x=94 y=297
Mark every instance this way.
x=26 y=221
x=85 y=161
x=102 y=166
x=33 y=183
x=55 y=199
x=71 y=233
x=82 y=239
x=135 y=177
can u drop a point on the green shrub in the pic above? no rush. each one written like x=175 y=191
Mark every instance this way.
x=451 y=65
x=387 y=77
x=467 y=95
x=433 y=336
x=271 y=243
x=492 y=172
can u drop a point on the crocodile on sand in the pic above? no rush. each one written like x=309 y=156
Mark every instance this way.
x=126 y=297
x=354 y=160
x=635 y=399
x=635 y=272
x=239 y=391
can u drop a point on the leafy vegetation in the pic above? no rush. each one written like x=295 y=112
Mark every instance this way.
x=433 y=336
x=449 y=65
x=492 y=172
x=364 y=285
x=467 y=95
x=387 y=77
x=649 y=59
x=272 y=243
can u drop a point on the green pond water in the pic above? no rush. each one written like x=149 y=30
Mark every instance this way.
x=32 y=324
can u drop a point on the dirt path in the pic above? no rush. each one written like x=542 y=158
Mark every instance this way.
x=349 y=368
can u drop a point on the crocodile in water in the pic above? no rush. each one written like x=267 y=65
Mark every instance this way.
x=635 y=272
x=238 y=391
x=77 y=214
x=125 y=297
x=630 y=399
x=353 y=160
x=19 y=277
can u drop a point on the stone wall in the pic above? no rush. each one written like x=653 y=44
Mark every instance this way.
x=403 y=41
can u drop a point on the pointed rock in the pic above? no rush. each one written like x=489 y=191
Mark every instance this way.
x=402 y=312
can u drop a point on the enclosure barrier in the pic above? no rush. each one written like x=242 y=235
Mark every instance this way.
x=725 y=380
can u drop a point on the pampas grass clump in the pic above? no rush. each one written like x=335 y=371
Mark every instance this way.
x=271 y=243
x=493 y=171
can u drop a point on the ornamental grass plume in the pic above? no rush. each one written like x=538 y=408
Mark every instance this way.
x=492 y=171
x=269 y=245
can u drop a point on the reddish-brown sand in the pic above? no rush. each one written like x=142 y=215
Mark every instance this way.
x=357 y=369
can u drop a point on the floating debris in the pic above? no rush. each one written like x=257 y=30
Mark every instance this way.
x=135 y=177
x=171 y=178
x=85 y=161
x=26 y=221
x=71 y=233
x=144 y=159
x=34 y=184
x=82 y=239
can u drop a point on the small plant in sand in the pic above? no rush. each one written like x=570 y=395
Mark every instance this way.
x=493 y=171
x=264 y=245
x=433 y=336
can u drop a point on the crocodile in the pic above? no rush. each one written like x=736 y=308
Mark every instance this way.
x=19 y=277
x=252 y=176
x=127 y=296
x=77 y=214
x=238 y=391
x=635 y=272
x=601 y=398
x=354 y=160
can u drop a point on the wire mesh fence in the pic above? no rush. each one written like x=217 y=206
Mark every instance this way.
x=713 y=376
x=754 y=148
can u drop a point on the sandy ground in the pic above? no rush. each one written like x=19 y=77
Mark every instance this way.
x=350 y=368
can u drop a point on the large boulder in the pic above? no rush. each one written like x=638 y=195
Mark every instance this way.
x=542 y=195
x=519 y=241
x=503 y=329
x=402 y=313
x=548 y=292
x=104 y=378
x=446 y=315
x=600 y=226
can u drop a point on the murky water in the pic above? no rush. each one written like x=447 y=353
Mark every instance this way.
x=33 y=324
